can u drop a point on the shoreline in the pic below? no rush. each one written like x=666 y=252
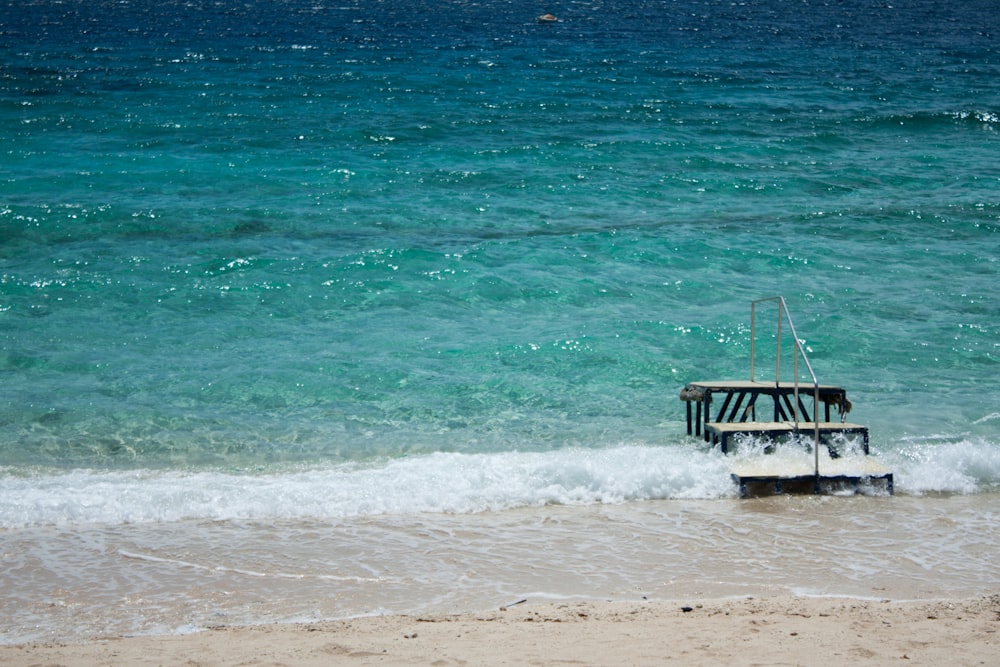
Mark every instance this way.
x=770 y=630
x=70 y=585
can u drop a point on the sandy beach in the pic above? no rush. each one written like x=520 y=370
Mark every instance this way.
x=747 y=631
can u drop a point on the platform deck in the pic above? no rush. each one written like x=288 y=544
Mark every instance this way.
x=737 y=401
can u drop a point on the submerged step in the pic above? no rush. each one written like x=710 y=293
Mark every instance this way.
x=765 y=485
x=720 y=433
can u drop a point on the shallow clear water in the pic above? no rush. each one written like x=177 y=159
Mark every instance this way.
x=297 y=263
x=183 y=576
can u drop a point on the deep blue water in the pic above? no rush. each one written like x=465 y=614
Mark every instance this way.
x=263 y=238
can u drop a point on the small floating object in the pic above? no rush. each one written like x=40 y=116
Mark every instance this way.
x=841 y=469
x=547 y=18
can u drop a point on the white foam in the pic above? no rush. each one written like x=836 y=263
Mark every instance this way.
x=449 y=483
x=440 y=482
x=930 y=465
x=988 y=418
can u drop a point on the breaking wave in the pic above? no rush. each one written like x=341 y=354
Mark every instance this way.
x=451 y=483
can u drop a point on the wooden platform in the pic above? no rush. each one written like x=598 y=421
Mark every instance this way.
x=804 y=449
x=720 y=433
x=721 y=410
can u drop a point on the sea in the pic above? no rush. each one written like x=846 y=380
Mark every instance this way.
x=317 y=309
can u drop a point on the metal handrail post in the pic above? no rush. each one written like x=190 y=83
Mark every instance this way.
x=782 y=306
x=777 y=358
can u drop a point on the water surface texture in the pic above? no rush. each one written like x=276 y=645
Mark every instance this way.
x=273 y=267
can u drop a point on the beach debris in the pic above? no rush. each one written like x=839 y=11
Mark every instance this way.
x=513 y=604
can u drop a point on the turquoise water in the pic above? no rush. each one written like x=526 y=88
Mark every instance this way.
x=299 y=261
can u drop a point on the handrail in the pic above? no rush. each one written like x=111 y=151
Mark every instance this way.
x=783 y=308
